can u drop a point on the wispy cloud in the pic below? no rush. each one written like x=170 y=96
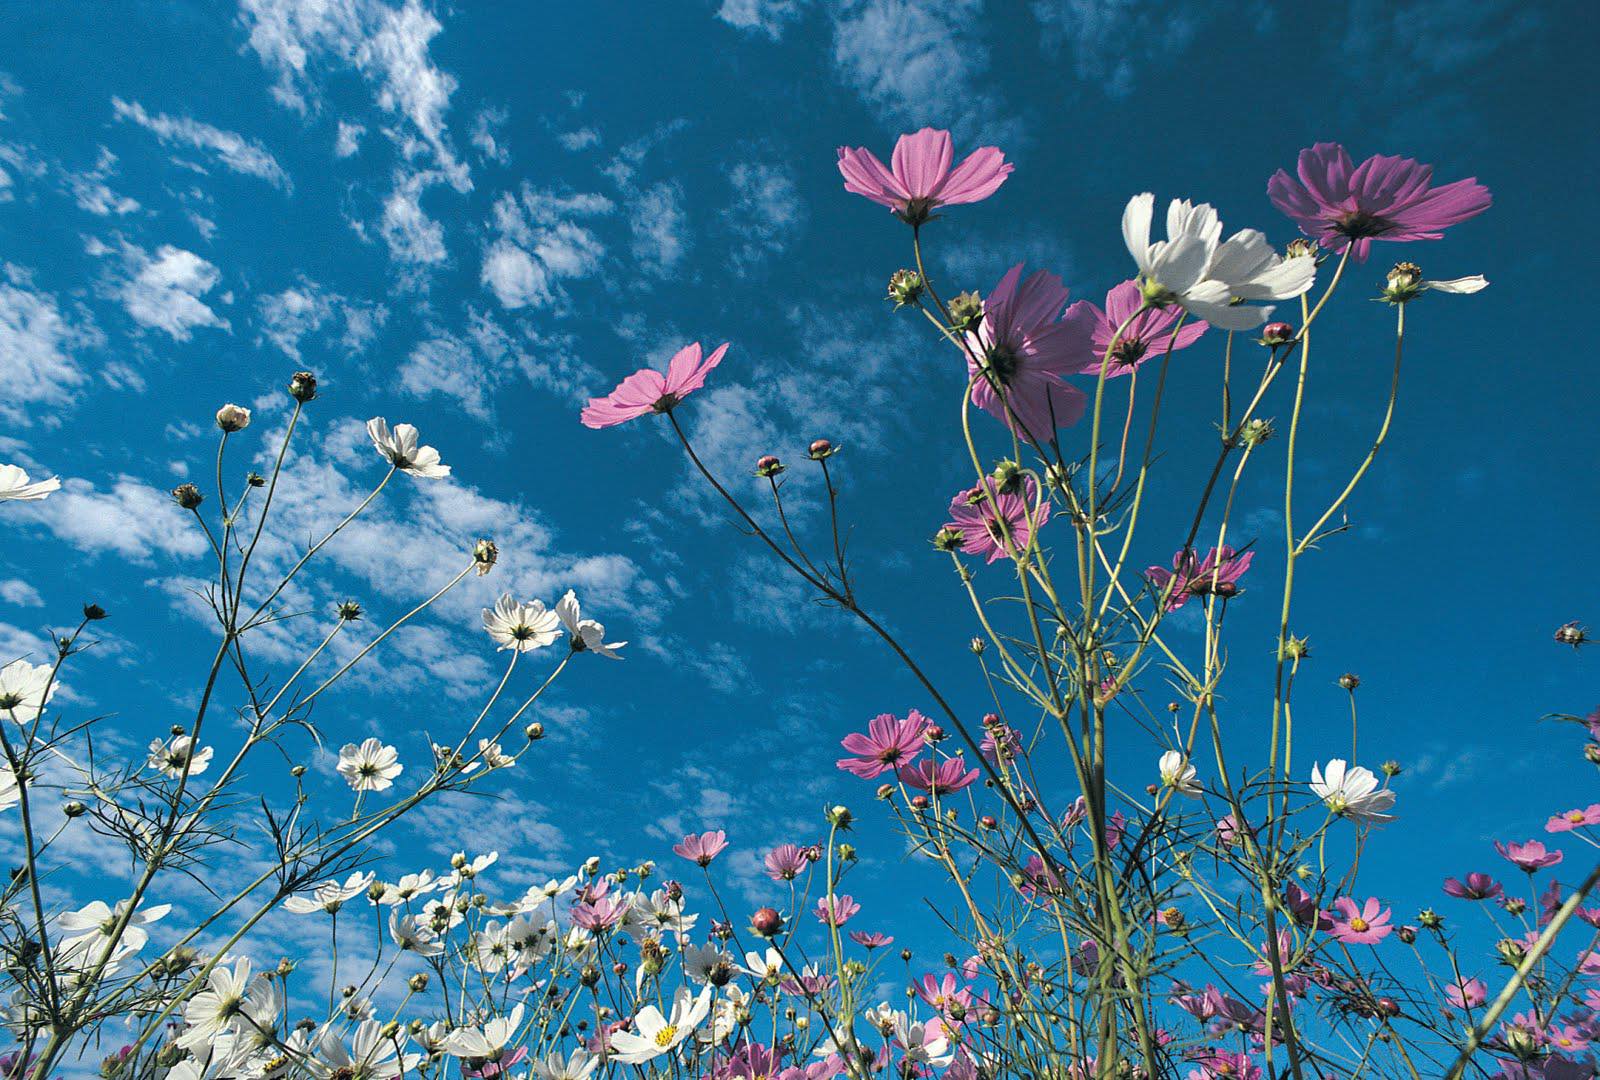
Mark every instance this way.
x=231 y=150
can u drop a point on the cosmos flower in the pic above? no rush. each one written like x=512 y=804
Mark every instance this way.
x=214 y=1009
x=372 y=766
x=488 y=1042
x=1023 y=344
x=1177 y=773
x=1468 y=994
x=648 y=391
x=888 y=743
x=522 y=627
x=938 y=777
x=1148 y=334
x=412 y=935
x=25 y=689
x=586 y=635
x=97 y=919
x=836 y=910
x=870 y=940
x=10 y=791
x=1352 y=792
x=1574 y=819
x=1217 y=574
x=1530 y=856
x=656 y=1034
x=577 y=1065
x=703 y=848
x=1195 y=269
x=400 y=448
x=175 y=757
x=985 y=521
x=1383 y=198
x=1477 y=886
x=785 y=862
x=14 y=485
x=331 y=895
x=921 y=179
x=1365 y=925
x=371 y=1055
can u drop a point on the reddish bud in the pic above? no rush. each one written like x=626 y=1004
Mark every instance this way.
x=766 y=922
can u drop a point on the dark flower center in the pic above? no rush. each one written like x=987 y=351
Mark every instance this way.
x=1359 y=223
x=1128 y=351
x=916 y=211
x=1002 y=362
x=665 y=403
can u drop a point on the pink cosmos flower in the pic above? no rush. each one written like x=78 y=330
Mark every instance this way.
x=1531 y=855
x=1219 y=573
x=601 y=913
x=985 y=521
x=648 y=391
x=888 y=743
x=1383 y=198
x=1467 y=995
x=703 y=848
x=1147 y=335
x=785 y=862
x=836 y=910
x=1476 y=887
x=810 y=983
x=491 y=1069
x=1225 y=1065
x=921 y=179
x=1574 y=819
x=872 y=940
x=938 y=777
x=1027 y=349
x=1365 y=925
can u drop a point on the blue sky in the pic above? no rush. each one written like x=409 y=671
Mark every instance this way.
x=473 y=218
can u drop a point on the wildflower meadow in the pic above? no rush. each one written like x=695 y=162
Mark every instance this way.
x=921 y=541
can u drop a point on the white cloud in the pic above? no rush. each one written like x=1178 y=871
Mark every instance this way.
x=305 y=307
x=485 y=135
x=660 y=229
x=38 y=365
x=765 y=214
x=539 y=242
x=234 y=151
x=919 y=62
x=581 y=139
x=413 y=237
x=767 y=17
x=387 y=45
x=163 y=291
x=348 y=141
x=90 y=191
x=19 y=592
x=131 y=520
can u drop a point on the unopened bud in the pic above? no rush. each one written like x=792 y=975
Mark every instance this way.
x=1278 y=333
x=905 y=287
x=187 y=496
x=965 y=311
x=1349 y=680
x=74 y=809
x=766 y=922
x=93 y=612
x=1573 y=634
x=303 y=386
x=484 y=555
x=822 y=448
x=534 y=731
x=232 y=417
x=768 y=466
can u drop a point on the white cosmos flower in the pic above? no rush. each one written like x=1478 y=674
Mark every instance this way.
x=25 y=689
x=576 y=1066
x=463 y=868
x=371 y=1055
x=330 y=896
x=923 y=1043
x=1353 y=792
x=657 y=1034
x=214 y=1009
x=1195 y=269
x=170 y=758
x=1177 y=773
x=372 y=766
x=400 y=448
x=586 y=634
x=493 y=756
x=699 y=961
x=10 y=791
x=14 y=485
x=410 y=935
x=523 y=627
x=1460 y=285
x=489 y=950
x=487 y=1042
x=408 y=887
x=764 y=966
x=97 y=917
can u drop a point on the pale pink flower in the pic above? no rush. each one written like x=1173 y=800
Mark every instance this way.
x=785 y=862
x=1150 y=333
x=938 y=778
x=1468 y=994
x=1023 y=345
x=648 y=391
x=921 y=179
x=888 y=743
x=703 y=848
x=836 y=910
x=1574 y=819
x=986 y=520
x=1383 y=198
x=1530 y=856
x=1365 y=925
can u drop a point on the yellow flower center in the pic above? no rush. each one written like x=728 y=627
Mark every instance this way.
x=1358 y=924
x=1575 y=816
x=665 y=1036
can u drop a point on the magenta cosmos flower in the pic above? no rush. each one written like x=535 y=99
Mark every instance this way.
x=1365 y=925
x=921 y=179
x=703 y=848
x=1023 y=347
x=888 y=743
x=1531 y=855
x=1219 y=572
x=836 y=910
x=786 y=862
x=985 y=521
x=1477 y=886
x=649 y=391
x=938 y=778
x=871 y=939
x=1468 y=994
x=1383 y=198
x=1574 y=819
x=1147 y=335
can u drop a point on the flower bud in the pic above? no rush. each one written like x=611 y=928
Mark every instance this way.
x=1592 y=752
x=1430 y=918
x=375 y=890
x=93 y=612
x=933 y=734
x=766 y=922
x=255 y=479
x=285 y=968
x=349 y=611
x=74 y=809
x=1403 y=283
x=885 y=791
x=1391 y=769
x=947 y=539
x=187 y=496
x=919 y=802
x=821 y=449
x=231 y=417
x=839 y=817
x=1349 y=680
x=534 y=731
x=589 y=976
x=1255 y=432
x=1573 y=634
x=905 y=287
x=965 y=311
x=1296 y=648
x=303 y=386
x=1406 y=934
x=1275 y=334
x=297 y=771
x=977 y=645
x=768 y=466
x=484 y=554
x=847 y=852
x=988 y=821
